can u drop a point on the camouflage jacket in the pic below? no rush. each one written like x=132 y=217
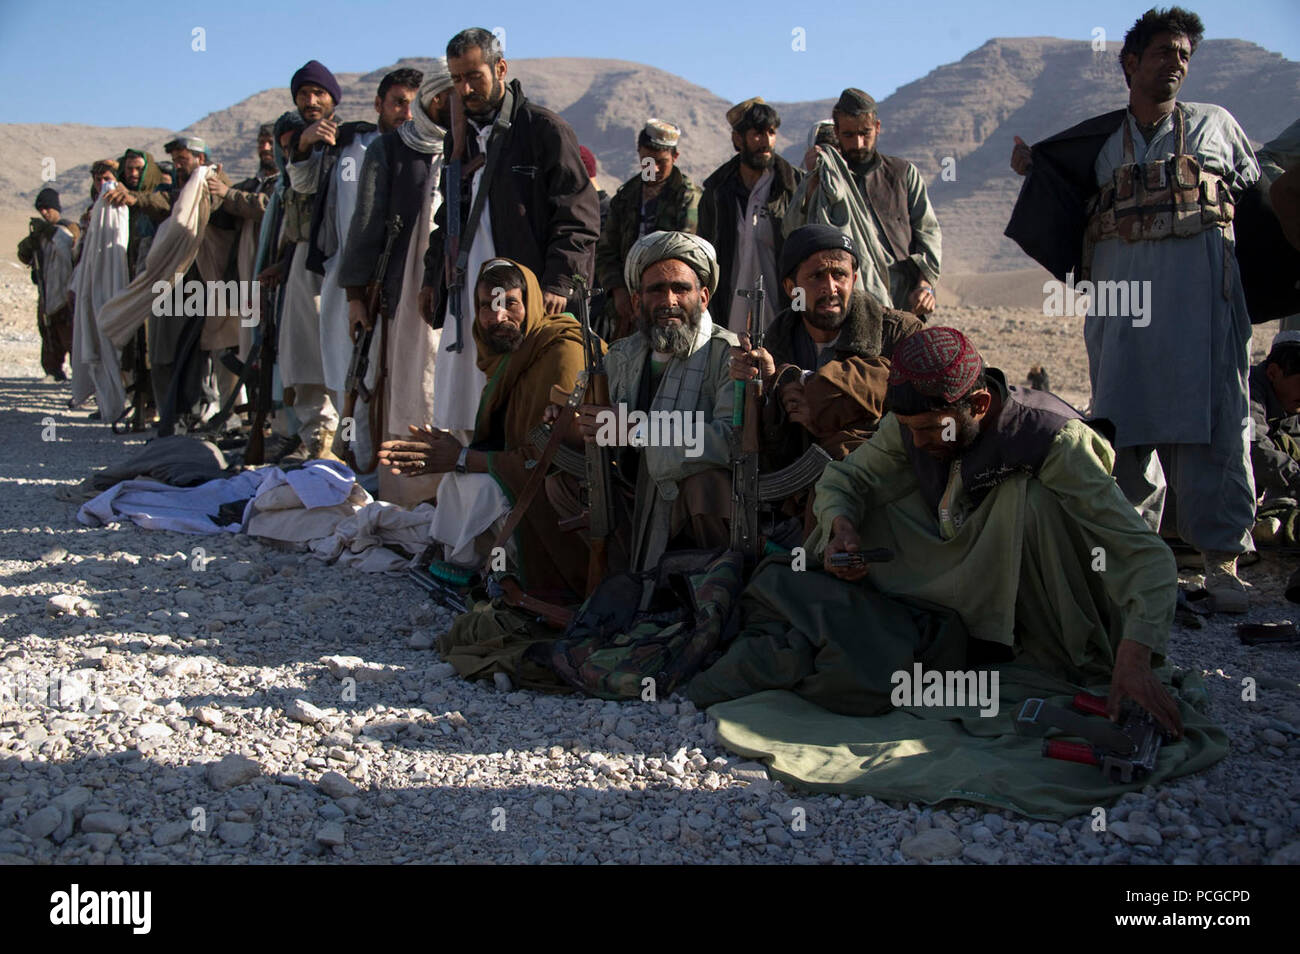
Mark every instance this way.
x=678 y=211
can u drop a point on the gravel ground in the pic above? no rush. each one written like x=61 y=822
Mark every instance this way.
x=163 y=704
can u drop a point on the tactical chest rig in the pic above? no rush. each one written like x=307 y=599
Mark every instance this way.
x=1166 y=198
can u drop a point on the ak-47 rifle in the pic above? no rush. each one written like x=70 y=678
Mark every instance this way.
x=455 y=180
x=355 y=383
x=272 y=311
x=600 y=501
x=745 y=438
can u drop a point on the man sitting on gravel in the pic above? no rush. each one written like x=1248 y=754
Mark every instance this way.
x=998 y=503
x=674 y=368
x=826 y=364
x=524 y=352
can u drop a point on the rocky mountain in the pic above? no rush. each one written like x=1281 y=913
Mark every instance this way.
x=968 y=111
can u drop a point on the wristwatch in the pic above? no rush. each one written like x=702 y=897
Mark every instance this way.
x=460 y=461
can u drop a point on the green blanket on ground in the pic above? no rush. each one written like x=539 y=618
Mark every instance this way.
x=808 y=685
x=931 y=755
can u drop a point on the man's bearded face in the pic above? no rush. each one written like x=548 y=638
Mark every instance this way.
x=670 y=305
x=131 y=172
x=266 y=154
x=481 y=86
x=501 y=314
x=186 y=162
x=943 y=434
x=314 y=102
x=826 y=278
x=395 y=108
x=857 y=136
x=757 y=148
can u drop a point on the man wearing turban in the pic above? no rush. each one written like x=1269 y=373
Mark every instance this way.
x=675 y=371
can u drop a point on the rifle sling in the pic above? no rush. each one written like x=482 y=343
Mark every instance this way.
x=535 y=479
x=496 y=145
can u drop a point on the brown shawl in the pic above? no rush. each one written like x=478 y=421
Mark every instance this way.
x=540 y=362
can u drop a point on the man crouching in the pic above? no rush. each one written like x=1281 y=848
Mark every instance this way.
x=998 y=504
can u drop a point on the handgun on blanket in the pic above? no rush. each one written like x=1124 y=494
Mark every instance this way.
x=856 y=558
x=1125 y=751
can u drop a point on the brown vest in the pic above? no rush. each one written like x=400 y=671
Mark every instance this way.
x=886 y=192
x=1017 y=442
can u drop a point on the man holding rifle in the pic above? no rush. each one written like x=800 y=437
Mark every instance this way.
x=674 y=369
x=399 y=177
x=825 y=367
x=521 y=192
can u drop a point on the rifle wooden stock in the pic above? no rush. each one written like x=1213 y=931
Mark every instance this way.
x=513 y=594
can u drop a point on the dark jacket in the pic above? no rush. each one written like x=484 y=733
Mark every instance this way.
x=394 y=179
x=316 y=254
x=847 y=393
x=724 y=194
x=544 y=210
x=1274 y=440
x=1050 y=215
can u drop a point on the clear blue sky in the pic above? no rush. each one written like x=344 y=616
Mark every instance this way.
x=133 y=65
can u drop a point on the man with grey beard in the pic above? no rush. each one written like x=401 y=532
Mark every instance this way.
x=674 y=375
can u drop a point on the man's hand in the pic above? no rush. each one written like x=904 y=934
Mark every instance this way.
x=747 y=363
x=430 y=451
x=587 y=422
x=216 y=187
x=1133 y=679
x=271 y=276
x=795 y=404
x=921 y=302
x=120 y=196
x=844 y=539
x=623 y=307
x=553 y=304
x=322 y=130
x=358 y=318
x=1021 y=159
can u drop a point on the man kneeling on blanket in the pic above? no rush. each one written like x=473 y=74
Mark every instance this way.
x=998 y=503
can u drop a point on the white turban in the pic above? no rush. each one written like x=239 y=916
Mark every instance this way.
x=694 y=251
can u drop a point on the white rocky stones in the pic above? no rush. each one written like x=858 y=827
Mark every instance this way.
x=300 y=710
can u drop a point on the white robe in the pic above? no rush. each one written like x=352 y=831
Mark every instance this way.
x=457 y=381
x=100 y=275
